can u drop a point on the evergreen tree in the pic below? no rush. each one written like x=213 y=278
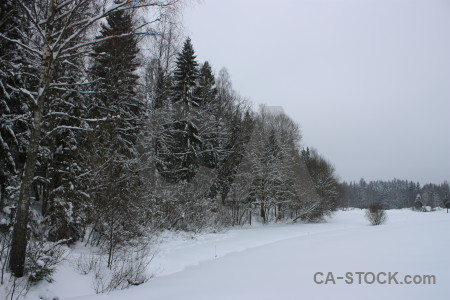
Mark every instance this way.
x=16 y=79
x=212 y=128
x=115 y=183
x=185 y=81
x=206 y=90
x=234 y=150
x=179 y=143
x=60 y=186
x=14 y=105
x=114 y=64
x=162 y=89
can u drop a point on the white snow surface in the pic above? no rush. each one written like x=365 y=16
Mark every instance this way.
x=279 y=261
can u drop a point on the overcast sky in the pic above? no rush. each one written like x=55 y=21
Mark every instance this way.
x=367 y=80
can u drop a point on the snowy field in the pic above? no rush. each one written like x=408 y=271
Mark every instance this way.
x=279 y=261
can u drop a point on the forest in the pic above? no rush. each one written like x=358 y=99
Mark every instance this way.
x=394 y=194
x=111 y=131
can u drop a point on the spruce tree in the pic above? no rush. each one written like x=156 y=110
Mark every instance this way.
x=16 y=73
x=179 y=144
x=60 y=186
x=161 y=90
x=211 y=127
x=206 y=90
x=115 y=179
x=185 y=80
x=14 y=106
x=114 y=64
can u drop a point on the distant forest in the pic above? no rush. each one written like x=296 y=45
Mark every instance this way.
x=393 y=194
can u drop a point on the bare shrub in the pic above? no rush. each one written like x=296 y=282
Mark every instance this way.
x=17 y=288
x=5 y=243
x=376 y=214
x=85 y=264
x=129 y=267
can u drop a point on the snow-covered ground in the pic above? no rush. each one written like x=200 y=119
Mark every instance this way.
x=279 y=261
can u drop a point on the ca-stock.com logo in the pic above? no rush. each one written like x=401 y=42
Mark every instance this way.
x=393 y=278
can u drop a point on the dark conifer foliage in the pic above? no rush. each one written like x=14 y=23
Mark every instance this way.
x=211 y=127
x=119 y=112
x=162 y=89
x=394 y=194
x=234 y=149
x=178 y=160
x=185 y=79
x=178 y=148
x=206 y=90
x=114 y=64
x=14 y=107
x=60 y=187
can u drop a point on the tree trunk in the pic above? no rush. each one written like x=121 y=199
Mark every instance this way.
x=111 y=242
x=19 y=236
x=112 y=209
x=263 y=213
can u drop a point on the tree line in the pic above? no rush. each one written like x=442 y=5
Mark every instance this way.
x=111 y=128
x=394 y=194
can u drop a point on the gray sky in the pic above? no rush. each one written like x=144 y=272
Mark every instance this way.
x=367 y=80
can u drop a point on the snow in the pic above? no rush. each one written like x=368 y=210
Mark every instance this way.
x=279 y=261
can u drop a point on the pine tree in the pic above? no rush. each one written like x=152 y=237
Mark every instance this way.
x=185 y=80
x=14 y=106
x=211 y=128
x=206 y=90
x=16 y=76
x=162 y=89
x=114 y=64
x=116 y=183
x=60 y=186
x=116 y=104
x=179 y=143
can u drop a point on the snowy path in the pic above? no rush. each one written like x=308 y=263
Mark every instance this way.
x=279 y=261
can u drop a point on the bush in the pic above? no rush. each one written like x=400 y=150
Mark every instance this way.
x=42 y=259
x=376 y=214
x=128 y=267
